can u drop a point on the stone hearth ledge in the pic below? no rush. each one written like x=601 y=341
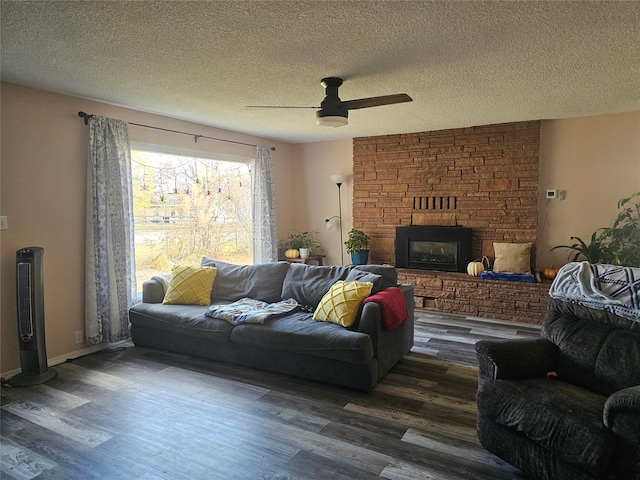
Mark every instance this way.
x=462 y=294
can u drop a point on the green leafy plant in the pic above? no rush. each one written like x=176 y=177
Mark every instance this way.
x=594 y=252
x=357 y=241
x=305 y=240
x=624 y=237
x=616 y=245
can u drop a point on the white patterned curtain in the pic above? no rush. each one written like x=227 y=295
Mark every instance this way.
x=265 y=235
x=110 y=266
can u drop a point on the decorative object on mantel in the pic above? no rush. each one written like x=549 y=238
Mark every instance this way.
x=550 y=273
x=509 y=277
x=358 y=246
x=616 y=245
x=512 y=257
x=476 y=268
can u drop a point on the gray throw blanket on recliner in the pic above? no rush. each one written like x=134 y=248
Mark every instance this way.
x=613 y=288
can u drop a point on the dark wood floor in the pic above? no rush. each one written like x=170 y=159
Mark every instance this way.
x=142 y=414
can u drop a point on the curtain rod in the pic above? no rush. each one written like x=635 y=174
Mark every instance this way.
x=86 y=118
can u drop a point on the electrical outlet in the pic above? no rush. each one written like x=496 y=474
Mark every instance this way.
x=4 y=224
x=79 y=338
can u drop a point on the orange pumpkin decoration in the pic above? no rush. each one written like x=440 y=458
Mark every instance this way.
x=550 y=273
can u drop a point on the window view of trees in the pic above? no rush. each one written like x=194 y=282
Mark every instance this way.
x=186 y=208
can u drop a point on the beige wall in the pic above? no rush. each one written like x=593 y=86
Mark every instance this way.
x=321 y=160
x=43 y=155
x=596 y=160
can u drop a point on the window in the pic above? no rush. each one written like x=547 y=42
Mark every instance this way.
x=186 y=207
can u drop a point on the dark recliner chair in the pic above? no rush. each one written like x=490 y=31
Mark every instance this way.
x=567 y=405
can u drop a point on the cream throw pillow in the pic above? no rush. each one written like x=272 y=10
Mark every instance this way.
x=190 y=285
x=340 y=304
x=512 y=257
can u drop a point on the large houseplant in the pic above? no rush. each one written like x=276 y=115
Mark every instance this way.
x=623 y=238
x=358 y=246
x=616 y=245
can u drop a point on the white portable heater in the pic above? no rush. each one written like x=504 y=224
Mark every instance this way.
x=30 y=298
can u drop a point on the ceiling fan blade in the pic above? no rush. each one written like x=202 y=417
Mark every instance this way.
x=377 y=101
x=275 y=106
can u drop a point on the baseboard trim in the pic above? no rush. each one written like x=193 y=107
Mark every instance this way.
x=52 y=362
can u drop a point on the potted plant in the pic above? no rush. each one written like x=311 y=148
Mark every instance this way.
x=624 y=236
x=617 y=245
x=358 y=246
x=305 y=242
x=594 y=252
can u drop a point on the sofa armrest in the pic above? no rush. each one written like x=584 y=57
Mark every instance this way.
x=515 y=358
x=622 y=415
x=152 y=291
x=389 y=345
x=621 y=404
x=370 y=320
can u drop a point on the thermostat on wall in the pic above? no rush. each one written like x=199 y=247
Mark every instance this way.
x=552 y=193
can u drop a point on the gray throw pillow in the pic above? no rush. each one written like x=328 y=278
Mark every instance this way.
x=389 y=274
x=262 y=281
x=308 y=283
x=362 y=276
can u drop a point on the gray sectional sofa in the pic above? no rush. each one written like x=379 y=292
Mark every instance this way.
x=293 y=343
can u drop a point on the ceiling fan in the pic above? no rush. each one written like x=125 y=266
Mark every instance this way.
x=334 y=112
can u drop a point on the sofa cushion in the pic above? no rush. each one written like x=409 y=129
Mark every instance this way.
x=182 y=319
x=308 y=283
x=341 y=303
x=299 y=332
x=262 y=281
x=190 y=285
x=563 y=418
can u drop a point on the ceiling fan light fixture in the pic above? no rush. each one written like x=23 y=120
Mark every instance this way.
x=332 y=121
x=333 y=112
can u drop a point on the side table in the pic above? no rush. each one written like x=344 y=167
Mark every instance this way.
x=308 y=261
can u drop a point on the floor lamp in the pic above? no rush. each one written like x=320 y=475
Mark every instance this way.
x=338 y=180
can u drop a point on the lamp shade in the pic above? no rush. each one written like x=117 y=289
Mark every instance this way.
x=332 y=222
x=338 y=179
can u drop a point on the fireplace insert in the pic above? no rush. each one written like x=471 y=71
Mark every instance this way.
x=433 y=248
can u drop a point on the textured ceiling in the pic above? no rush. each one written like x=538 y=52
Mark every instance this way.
x=464 y=63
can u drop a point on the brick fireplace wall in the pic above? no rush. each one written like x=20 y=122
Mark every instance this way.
x=483 y=177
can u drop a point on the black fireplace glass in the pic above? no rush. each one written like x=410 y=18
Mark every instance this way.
x=433 y=248
x=423 y=252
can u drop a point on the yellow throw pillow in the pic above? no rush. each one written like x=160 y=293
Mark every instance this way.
x=190 y=285
x=340 y=304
